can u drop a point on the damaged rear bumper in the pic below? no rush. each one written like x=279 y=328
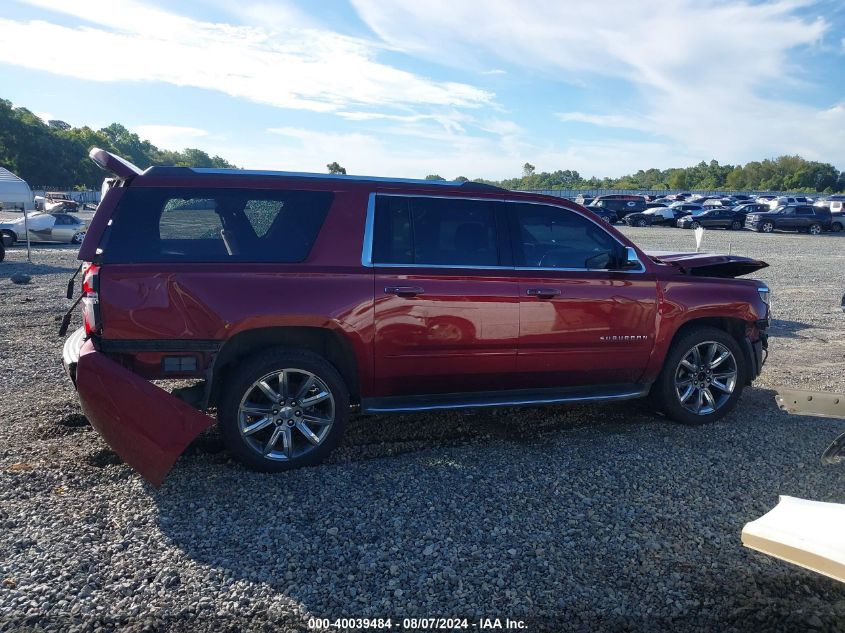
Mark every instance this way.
x=148 y=427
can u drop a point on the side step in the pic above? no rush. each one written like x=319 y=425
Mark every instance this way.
x=514 y=398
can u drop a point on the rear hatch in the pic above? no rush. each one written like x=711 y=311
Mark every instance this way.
x=708 y=264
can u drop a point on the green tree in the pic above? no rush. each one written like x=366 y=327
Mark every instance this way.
x=434 y=177
x=335 y=168
x=527 y=170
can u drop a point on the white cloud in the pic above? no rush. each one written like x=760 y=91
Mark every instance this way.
x=293 y=67
x=694 y=71
x=494 y=71
x=174 y=137
x=602 y=120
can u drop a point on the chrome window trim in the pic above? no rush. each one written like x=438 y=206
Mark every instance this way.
x=369 y=226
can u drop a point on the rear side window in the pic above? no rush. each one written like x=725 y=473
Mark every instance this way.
x=214 y=225
x=435 y=231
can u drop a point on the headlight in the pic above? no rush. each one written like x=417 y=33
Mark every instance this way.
x=766 y=296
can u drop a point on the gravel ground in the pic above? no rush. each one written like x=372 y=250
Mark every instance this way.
x=567 y=518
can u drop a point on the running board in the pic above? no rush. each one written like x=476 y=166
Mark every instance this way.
x=515 y=398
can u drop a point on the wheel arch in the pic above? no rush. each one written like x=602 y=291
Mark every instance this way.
x=330 y=344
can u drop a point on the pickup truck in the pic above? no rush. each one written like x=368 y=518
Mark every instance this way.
x=294 y=300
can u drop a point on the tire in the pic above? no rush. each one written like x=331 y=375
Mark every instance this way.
x=2 y=252
x=282 y=420
x=668 y=397
x=78 y=237
x=767 y=227
x=736 y=225
x=9 y=238
x=836 y=227
x=641 y=222
x=695 y=225
x=815 y=229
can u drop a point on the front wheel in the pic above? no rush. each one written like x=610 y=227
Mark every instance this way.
x=736 y=225
x=78 y=237
x=641 y=222
x=282 y=409
x=702 y=377
x=767 y=227
x=696 y=225
x=8 y=238
x=815 y=229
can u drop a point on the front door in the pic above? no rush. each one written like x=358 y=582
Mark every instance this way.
x=581 y=322
x=446 y=305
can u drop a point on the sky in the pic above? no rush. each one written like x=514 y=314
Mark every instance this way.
x=451 y=87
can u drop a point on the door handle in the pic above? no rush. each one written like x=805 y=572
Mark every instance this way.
x=404 y=291
x=543 y=293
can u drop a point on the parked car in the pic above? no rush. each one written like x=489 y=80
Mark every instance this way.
x=44 y=227
x=751 y=207
x=56 y=201
x=787 y=200
x=719 y=218
x=584 y=200
x=765 y=198
x=655 y=205
x=607 y=215
x=742 y=197
x=803 y=218
x=719 y=202
x=296 y=300
x=662 y=216
x=622 y=204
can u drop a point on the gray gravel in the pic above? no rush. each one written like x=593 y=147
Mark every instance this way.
x=568 y=518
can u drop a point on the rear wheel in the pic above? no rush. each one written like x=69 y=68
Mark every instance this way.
x=702 y=377
x=736 y=225
x=836 y=227
x=9 y=238
x=767 y=227
x=815 y=229
x=282 y=409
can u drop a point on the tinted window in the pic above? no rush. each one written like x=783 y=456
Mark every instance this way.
x=435 y=231
x=214 y=225
x=804 y=210
x=551 y=237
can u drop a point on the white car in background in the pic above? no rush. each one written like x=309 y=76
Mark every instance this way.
x=44 y=227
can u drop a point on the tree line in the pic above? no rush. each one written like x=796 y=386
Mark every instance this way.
x=56 y=154
x=785 y=173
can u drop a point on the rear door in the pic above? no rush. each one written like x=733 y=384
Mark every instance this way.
x=581 y=322
x=446 y=306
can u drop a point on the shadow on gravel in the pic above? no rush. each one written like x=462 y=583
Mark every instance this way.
x=789 y=329
x=594 y=519
x=34 y=269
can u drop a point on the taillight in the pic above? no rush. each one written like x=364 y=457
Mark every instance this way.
x=91 y=299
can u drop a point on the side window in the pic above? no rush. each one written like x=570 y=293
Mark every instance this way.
x=214 y=225
x=190 y=219
x=435 y=231
x=804 y=210
x=552 y=237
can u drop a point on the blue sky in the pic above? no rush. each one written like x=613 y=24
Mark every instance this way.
x=454 y=87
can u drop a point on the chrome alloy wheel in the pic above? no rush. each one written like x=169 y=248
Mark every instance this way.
x=705 y=377
x=286 y=414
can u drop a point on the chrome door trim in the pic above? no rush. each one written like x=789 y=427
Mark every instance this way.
x=369 y=227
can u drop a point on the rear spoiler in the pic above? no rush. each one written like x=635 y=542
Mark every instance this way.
x=119 y=167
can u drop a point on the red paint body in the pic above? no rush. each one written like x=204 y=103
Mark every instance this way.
x=472 y=330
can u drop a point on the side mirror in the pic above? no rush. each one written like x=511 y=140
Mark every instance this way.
x=630 y=260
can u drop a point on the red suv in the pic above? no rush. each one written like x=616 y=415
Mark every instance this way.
x=293 y=300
